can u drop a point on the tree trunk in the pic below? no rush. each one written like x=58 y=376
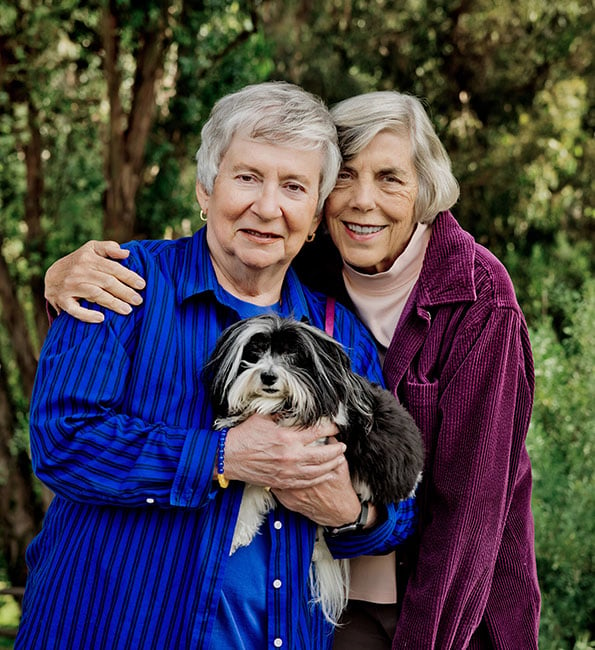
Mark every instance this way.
x=21 y=510
x=21 y=507
x=33 y=212
x=128 y=134
x=14 y=321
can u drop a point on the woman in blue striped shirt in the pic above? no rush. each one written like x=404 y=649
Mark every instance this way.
x=134 y=551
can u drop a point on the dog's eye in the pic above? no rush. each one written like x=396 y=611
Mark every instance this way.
x=300 y=358
x=255 y=349
x=285 y=344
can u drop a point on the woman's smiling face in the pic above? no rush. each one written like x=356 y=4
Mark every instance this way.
x=370 y=212
x=262 y=207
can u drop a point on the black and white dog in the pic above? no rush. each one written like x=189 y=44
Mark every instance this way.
x=300 y=375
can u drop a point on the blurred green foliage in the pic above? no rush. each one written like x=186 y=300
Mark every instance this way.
x=510 y=90
x=562 y=448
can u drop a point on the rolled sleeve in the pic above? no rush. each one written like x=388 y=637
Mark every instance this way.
x=394 y=530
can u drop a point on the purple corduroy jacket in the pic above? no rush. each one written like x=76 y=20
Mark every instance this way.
x=460 y=361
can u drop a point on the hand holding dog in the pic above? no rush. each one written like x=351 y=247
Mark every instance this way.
x=261 y=452
x=333 y=502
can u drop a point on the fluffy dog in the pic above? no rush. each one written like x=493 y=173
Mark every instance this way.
x=300 y=375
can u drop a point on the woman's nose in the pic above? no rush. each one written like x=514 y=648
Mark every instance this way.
x=268 y=204
x=362 y=196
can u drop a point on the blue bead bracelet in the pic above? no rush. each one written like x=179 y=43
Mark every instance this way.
x=223 y=482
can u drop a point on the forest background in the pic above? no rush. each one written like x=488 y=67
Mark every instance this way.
x=101 y=105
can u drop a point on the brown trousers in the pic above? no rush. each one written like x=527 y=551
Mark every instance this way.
x=366 y=626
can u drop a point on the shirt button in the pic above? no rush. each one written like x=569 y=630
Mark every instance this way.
x=277 y=583
x=278 y=525
x=278 y=642
x=150 y=500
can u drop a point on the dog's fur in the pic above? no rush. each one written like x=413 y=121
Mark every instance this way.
x=300 y=375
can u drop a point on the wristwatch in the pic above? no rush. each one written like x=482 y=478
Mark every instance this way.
x=356 y=526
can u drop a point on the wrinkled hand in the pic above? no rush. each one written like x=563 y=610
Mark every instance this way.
x=89 y=273
x=261 y=452
x=332 y=502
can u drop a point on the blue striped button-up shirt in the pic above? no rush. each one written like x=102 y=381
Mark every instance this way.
x=134 y=546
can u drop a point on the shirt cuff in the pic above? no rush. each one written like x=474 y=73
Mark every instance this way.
x=193 y=483
x=385 y=536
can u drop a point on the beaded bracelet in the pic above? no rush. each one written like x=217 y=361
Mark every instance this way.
x=223 y=482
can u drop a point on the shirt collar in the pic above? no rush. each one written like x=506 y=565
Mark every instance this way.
x=197 y=275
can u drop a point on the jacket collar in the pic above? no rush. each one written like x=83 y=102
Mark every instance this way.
x=447 y=273
x=446 y=277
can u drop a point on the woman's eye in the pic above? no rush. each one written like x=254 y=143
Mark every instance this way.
x=389 y=178
x=295 y=187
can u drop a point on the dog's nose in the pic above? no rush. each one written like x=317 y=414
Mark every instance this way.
x=268 y=378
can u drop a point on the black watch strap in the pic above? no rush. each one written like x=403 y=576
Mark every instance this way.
x=357 y=525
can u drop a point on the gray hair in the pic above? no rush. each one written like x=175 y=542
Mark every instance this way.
x=272 y=112
x=359 y=119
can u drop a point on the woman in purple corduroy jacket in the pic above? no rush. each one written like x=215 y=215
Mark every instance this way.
x=456 y=352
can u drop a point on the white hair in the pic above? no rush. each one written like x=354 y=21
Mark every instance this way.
x=273 y=112
x=359 y=119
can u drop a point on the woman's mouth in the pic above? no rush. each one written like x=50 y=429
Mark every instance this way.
x=260 y=235
x=358 y=229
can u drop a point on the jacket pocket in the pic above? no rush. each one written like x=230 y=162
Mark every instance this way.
x=421 y=400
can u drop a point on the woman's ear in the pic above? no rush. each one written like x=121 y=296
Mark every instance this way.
x=202 y=197
x=316 y=222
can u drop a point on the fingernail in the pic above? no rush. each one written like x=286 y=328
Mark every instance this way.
x=136 y=300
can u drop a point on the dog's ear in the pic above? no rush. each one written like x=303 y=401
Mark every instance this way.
x=331 y=364
x=223 y=364
x=225 y=361
x=331 y=352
